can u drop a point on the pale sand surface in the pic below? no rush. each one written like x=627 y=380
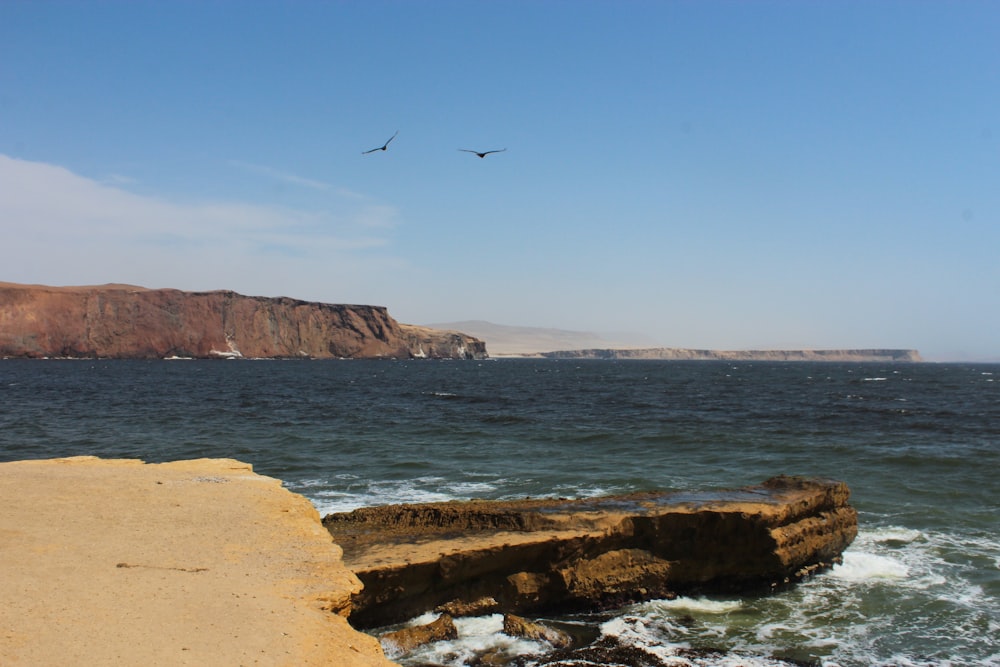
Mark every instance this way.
x=117 y=562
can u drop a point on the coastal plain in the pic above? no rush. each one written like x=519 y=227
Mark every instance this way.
x=203 y=562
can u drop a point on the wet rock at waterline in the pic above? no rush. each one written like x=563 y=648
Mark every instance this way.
x=559 y=555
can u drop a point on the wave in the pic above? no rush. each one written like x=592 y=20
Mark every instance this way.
x=867 y=567
x=895 y=535
x=348 y=492
x=848 y=615
x=664 y=640
x=701 y=605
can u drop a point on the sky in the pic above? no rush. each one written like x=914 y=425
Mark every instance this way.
x=708 y=174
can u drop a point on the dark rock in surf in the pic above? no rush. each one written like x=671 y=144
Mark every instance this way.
x=610 y=651
x=407 y=639
x=517 y=626
x=480 y=607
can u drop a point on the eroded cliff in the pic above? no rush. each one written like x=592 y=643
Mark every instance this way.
x=124 y=321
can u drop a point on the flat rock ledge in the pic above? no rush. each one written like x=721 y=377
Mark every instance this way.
x=551 y=555
x=117 y=562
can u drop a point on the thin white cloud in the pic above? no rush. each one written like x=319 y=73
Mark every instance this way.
x=118 y=179
x=295 y=179
x=350 y=194
x=281 y=175
x=377 y=216
x=63 y=228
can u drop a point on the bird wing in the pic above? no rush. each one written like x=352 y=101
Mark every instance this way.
x=482 y=153
x=382 y=147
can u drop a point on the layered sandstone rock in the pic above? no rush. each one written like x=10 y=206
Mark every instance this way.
x=123 y=321
x=117 y=562
x=534 y=555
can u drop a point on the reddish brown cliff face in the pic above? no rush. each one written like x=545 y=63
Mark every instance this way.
x=122 y=321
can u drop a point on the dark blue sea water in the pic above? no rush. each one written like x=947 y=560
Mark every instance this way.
x=919 y=445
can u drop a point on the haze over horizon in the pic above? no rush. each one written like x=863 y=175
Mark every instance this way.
x=718 y=174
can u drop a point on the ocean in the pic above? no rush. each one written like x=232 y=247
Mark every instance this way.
x=919 y=445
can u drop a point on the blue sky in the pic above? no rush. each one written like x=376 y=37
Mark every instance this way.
x=708 y=174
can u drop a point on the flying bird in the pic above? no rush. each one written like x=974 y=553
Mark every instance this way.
x=484 y=153
x=382 y=147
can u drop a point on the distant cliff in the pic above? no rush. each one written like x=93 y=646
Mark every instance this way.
x=683 y=354
x=124 y=321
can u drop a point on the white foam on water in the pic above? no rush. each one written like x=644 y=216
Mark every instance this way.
x=942 y=564
x=390 y=492
x=423 y=619
x=992 y=661
x=335 y=504
x=704 y=605
x=860 y=566
x=347 y=491
x=470 y=489
x=646 y=634
x=934 y=575
x=479 y=626
x=310 y=483
x=824 y=619
x=572 y=491
x=896 y=534
x=909 y=661
x=649 y=635
x=477 y=636
x=768 y=631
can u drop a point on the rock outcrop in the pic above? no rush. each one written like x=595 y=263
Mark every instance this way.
x=558 y=555
x=515 y=626
x=406 y=639
x=686 y=354
x=204 y=562
x=123 y=321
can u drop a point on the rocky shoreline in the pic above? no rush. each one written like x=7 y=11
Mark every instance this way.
x=205 y=562
x=549 y=555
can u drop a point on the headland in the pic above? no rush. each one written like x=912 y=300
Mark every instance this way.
x=130 y=322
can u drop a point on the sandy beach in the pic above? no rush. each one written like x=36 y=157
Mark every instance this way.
x=118 y=562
